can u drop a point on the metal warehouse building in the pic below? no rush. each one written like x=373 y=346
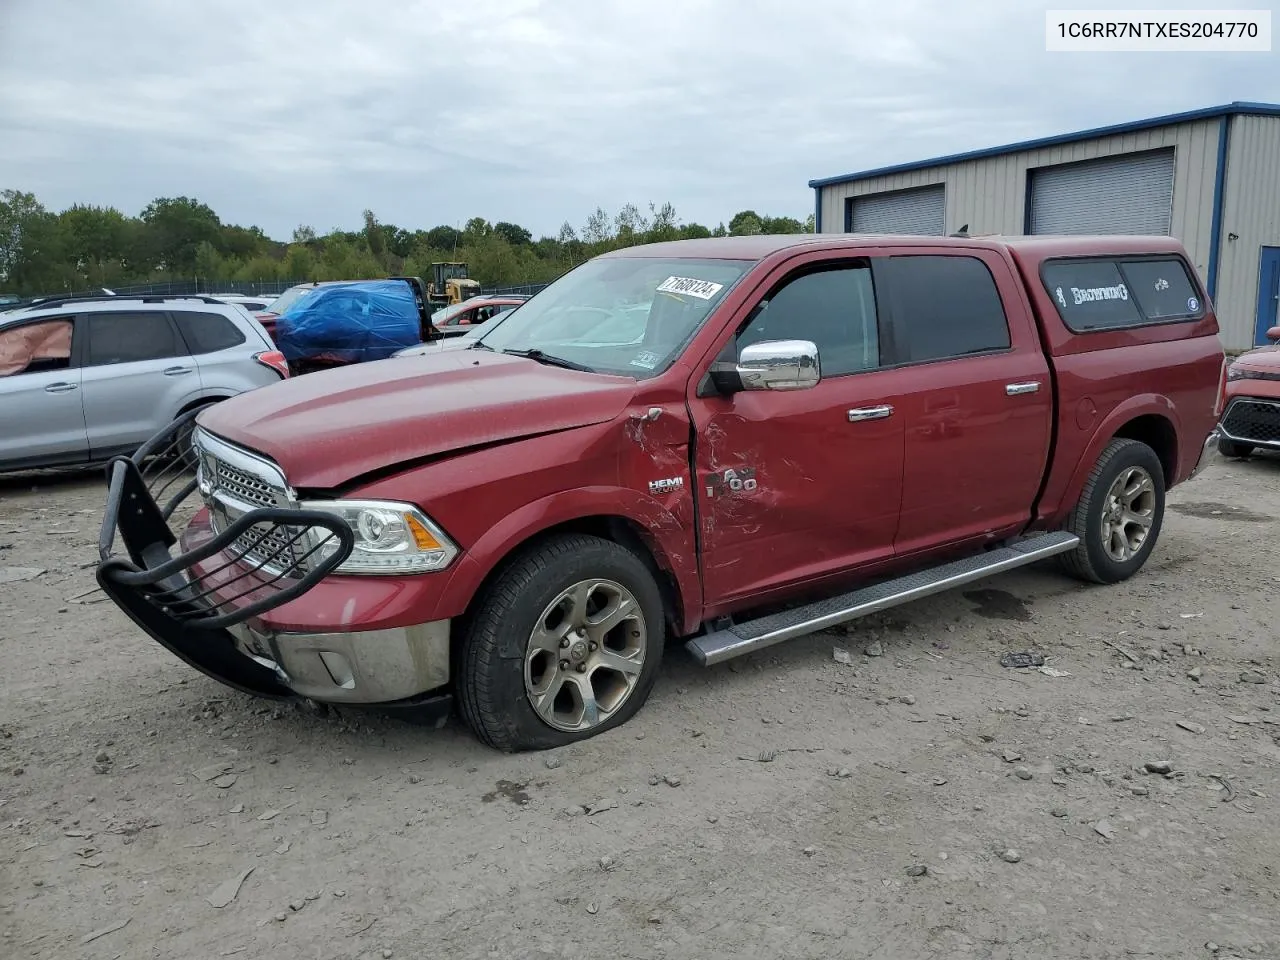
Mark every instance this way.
x=1209 y=177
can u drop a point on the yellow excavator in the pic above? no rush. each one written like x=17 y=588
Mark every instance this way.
x=450 y=284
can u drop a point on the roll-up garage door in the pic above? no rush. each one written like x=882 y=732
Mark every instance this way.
x=902 y=211
x=1125 y=194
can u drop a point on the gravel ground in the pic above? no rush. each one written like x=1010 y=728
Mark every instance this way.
x=925 y=802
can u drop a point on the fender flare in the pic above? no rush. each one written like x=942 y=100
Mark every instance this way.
x=196 y=397
x=1141 y=405
x=671 y=543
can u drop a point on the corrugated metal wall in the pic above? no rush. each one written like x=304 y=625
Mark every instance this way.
x=1252 y=212
x=990 y=194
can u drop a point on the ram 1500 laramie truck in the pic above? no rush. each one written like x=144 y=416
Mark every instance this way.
x=731 y=441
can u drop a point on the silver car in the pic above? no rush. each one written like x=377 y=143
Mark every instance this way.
x=86 y=379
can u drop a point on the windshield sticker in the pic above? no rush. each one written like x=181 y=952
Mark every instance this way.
x=1094 y=294
x=1193 y=304
x=702 y=289
x=1061 y=298
x=1162 y=284
x=646 y=361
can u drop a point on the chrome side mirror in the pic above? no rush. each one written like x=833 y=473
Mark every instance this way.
x=779 y=365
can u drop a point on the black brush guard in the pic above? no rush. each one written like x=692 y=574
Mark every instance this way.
x=266 y=558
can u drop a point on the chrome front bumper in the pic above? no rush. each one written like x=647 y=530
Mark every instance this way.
x=1208 y=453
x=371 y=667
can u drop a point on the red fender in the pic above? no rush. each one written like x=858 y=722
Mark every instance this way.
x=672 y=545
x=1143 y=404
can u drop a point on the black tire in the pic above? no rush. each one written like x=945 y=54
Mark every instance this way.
x=490 y=681
x=1091 y=561
x=1230 y=448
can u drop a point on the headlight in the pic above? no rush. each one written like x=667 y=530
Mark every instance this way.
x=390 y=537
x=1237 y=372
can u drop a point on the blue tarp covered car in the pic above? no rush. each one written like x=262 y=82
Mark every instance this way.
x=349 y=323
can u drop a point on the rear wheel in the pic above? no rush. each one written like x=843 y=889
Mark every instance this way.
x=1230 y=448
x=1119 y=515
x=565 y=645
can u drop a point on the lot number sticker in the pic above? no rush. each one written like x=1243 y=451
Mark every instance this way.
x=702 y=289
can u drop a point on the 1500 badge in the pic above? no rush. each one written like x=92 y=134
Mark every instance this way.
x=732 y=481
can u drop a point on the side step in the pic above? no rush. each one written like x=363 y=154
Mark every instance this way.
x=742 y=638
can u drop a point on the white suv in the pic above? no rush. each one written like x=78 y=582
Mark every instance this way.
x=84 y=379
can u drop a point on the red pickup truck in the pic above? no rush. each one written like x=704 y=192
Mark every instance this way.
x=731 y=441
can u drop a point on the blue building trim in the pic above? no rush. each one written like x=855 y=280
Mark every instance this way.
x=1219 y=199
x=1237 y=108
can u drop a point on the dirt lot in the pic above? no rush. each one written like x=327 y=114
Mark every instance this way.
x=773 y=807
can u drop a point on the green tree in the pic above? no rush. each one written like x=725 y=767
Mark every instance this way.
x=476 y=229
x=630 y=225
x=444 y=238
x=373 y=234
x=96 y=239
x=208 y=262
x=746 y=224
x=175 y=227
x=299 y=262
x=512 y=233
x=663 y=223
x=304 y=234
x=781 y=225
x=243 y=243
x=597 y=229
x=33 y=248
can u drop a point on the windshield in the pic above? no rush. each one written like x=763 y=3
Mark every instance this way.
x=445 y=314
x=287 y=299
x=622 y=315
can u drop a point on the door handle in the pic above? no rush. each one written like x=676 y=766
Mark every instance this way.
x=859 y=414
x=61 y=387
x=1017 y=389
x=176 y=371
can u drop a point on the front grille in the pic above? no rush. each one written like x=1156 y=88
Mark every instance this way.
x=246 y=487
x=233 y=489
x=274 y=547
x=1257 y=421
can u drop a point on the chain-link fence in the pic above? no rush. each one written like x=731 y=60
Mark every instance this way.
x=524 y=289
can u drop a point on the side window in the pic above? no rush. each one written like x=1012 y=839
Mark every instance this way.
x=35 y=347
x=129 y=337
x=1114 y=294
x=1162 y=289
x=944 y=306
x=1090 y=294
x=836 y=309
x=207 y=332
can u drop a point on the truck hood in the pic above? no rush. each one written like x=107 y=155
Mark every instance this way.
x=1263 y=358
x=325 y=429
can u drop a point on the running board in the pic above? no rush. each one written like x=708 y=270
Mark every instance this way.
x=743 y=638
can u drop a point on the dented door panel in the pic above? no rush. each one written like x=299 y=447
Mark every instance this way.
x=791 y=488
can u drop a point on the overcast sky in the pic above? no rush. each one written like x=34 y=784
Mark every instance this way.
x=281 y=112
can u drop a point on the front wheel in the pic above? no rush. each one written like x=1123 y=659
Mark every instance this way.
x=1230 y=448
x=565 y=644
x=1119 y=514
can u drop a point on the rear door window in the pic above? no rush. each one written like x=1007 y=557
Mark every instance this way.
x=943 y=306
x=130 y=337
x=1115 y=293
x=208 y=332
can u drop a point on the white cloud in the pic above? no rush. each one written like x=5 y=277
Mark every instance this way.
x=308 y=111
